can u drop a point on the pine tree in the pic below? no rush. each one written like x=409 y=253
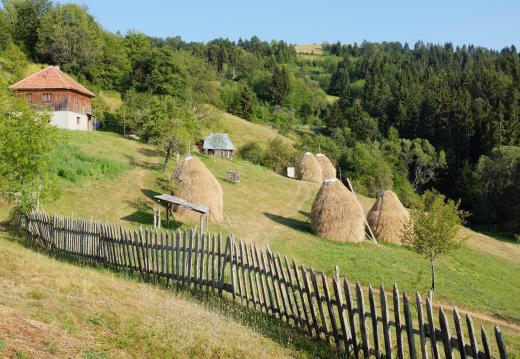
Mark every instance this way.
x=279 y=85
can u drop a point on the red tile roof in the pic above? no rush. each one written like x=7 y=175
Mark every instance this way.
x=50 y=78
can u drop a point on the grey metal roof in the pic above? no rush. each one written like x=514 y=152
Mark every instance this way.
x=183 y=203
x=218 y=141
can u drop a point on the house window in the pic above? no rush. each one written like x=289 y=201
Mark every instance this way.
x=29 y=97
x=77 y=120
x=46 y=97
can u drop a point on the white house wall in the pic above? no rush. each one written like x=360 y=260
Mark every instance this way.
x=68 y=120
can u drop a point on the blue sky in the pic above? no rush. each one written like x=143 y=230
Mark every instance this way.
x=493 y=24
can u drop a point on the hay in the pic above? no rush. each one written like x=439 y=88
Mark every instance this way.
x=388 y=218
x=196 y=184
x=335 y=214
x=327 y=169
x=309 y=169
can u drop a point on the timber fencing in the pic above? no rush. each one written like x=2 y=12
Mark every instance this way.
x=387 y=326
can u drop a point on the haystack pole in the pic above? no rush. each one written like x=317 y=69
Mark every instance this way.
x=370 y=233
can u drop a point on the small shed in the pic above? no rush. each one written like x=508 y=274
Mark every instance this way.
x=218 y=144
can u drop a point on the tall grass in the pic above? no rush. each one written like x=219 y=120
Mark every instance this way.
x=72 y=164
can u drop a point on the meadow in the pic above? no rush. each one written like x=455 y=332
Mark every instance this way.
x=266 y=208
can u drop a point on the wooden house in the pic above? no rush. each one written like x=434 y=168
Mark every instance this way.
x=218 y=144
x=69 y=102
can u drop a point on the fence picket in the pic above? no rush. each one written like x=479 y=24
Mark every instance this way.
x=373 y=315
x=432 y=330
x=422 y=333
x=446 y=337
x=409 y=327
x=386 y=326
x=460 y=335
x=351 y=317
x=259 y=281
x=362 y=318
x=485 y=343
x=330 y=308
x=472 y=337
x=324 y=328
x=293 y=294
x=398 y=330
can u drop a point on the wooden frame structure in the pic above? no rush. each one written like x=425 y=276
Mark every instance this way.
x=171 y=201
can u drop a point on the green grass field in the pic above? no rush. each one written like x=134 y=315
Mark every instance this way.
x=265 y=208
x=52 y=308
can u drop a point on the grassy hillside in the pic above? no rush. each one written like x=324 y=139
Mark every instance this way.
x=50 y=308
x=481 y=277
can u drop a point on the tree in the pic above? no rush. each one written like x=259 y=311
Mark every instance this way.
x=246 y=102
x=68 y=36
x=25 y=17
x=176 y=128
x=26 y=142
x=433 y=227
x=280 y=85
x=161 y=72
x=422 y=160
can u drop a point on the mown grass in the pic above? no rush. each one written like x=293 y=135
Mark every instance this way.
x=71 y=311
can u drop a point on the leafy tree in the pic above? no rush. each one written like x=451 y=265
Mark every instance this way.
x=278 y=155
x=26 y=142
x=176 y=128
x=433 y=227
x=422 y=160
x=5 y=30
x=68 y=36
x=25 y=17
x=495 y=188
x=280 y=85
x=161 y=72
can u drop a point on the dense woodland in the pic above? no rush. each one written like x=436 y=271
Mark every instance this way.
x=391 y=116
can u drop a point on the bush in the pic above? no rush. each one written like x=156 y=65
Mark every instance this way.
x=276 y=156
x=252 y=152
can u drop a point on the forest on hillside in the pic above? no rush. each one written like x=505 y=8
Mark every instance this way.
x=390 y=115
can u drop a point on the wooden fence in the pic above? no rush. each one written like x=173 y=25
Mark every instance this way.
x=331 y=309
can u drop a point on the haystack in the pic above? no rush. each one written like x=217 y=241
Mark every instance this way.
x=388 y=218
x=327 y=169
x=336 y=215
x=196 y=184
x=309 y=169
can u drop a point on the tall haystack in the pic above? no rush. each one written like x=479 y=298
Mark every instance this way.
x=335 y=215
x=388 y=218
x=196 y=184
x=309 y=169
x=327 y=168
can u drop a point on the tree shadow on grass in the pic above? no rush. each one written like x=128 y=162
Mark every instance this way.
x=293 y=223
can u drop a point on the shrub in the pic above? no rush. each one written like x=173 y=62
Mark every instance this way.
x=252 y=152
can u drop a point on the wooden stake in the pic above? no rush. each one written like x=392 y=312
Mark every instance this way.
x=372 y=237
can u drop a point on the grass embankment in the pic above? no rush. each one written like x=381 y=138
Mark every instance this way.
x=481 y=277
x=51 y=308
